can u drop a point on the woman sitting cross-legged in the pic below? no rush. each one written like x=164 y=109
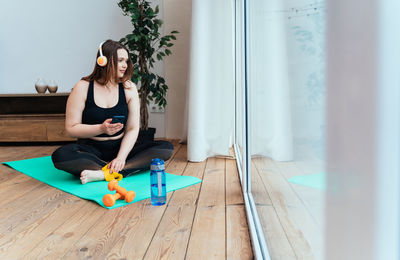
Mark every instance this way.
x=93 y=102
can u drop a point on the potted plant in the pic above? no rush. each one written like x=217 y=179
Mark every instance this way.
x=145 y=43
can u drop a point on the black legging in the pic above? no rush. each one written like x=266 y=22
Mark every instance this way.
x=88 y=154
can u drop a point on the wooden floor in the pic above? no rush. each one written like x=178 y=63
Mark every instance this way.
x=291 y=215
x=203 y=221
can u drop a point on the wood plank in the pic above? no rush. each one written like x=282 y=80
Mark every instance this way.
x=45 y=152
x=208 y=238
x=17 y=130
x=23 y=242
x=6 y=174
x=111 y=229
x=189 y=195
x=21 y=152
x=177 y=147
x=171 y=238
x=59 y=241
x=33 y=127
x=301 y=229
x=178 y=161
x=312 y=198
x=21 y=183
x=14 y=180
x=213 y=187
x=279 y=246
x=56 y=131
x=18 y=214
x=237 y=234
x=233 y=187
x=260 y=193
x=306 y=163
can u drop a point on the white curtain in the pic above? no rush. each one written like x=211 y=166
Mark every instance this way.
x=210 y=100
x=286 y=78
x=268 y=81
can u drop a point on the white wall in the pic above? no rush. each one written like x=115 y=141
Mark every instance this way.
x=58 y=40
x=177 y=16
x=55 y=40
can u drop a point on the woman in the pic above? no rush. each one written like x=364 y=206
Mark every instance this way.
x=93 y=101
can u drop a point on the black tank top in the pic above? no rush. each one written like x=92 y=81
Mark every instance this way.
x=93 y=114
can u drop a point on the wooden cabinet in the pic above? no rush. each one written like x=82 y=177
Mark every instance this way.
x=33 y=117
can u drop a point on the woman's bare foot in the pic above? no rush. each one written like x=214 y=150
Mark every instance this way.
x=91 y=175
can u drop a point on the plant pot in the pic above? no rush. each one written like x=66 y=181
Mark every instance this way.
x=146 y=136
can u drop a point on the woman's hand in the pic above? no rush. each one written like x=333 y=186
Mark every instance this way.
x=116 y=165
x=109 y=128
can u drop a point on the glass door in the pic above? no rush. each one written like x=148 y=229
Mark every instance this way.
x=239 y=84
x=280 y=124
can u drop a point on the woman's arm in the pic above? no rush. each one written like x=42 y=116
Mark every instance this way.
x=73 y=118
x=131 y=128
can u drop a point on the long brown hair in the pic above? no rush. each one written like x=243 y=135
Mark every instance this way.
x=104 y=75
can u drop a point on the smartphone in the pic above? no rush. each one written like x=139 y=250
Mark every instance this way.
x=118 y=119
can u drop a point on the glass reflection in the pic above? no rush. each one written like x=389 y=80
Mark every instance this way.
x=239 y=83
x=287 y=124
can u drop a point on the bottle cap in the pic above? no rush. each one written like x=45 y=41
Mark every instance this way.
x=157 y=164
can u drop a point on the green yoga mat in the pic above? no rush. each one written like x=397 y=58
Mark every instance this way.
x=43 y=170
x=317 y=180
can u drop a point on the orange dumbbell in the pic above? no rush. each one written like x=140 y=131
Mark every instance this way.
x=122 y=193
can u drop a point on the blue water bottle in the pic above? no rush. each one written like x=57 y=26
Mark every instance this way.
x=157 y=180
